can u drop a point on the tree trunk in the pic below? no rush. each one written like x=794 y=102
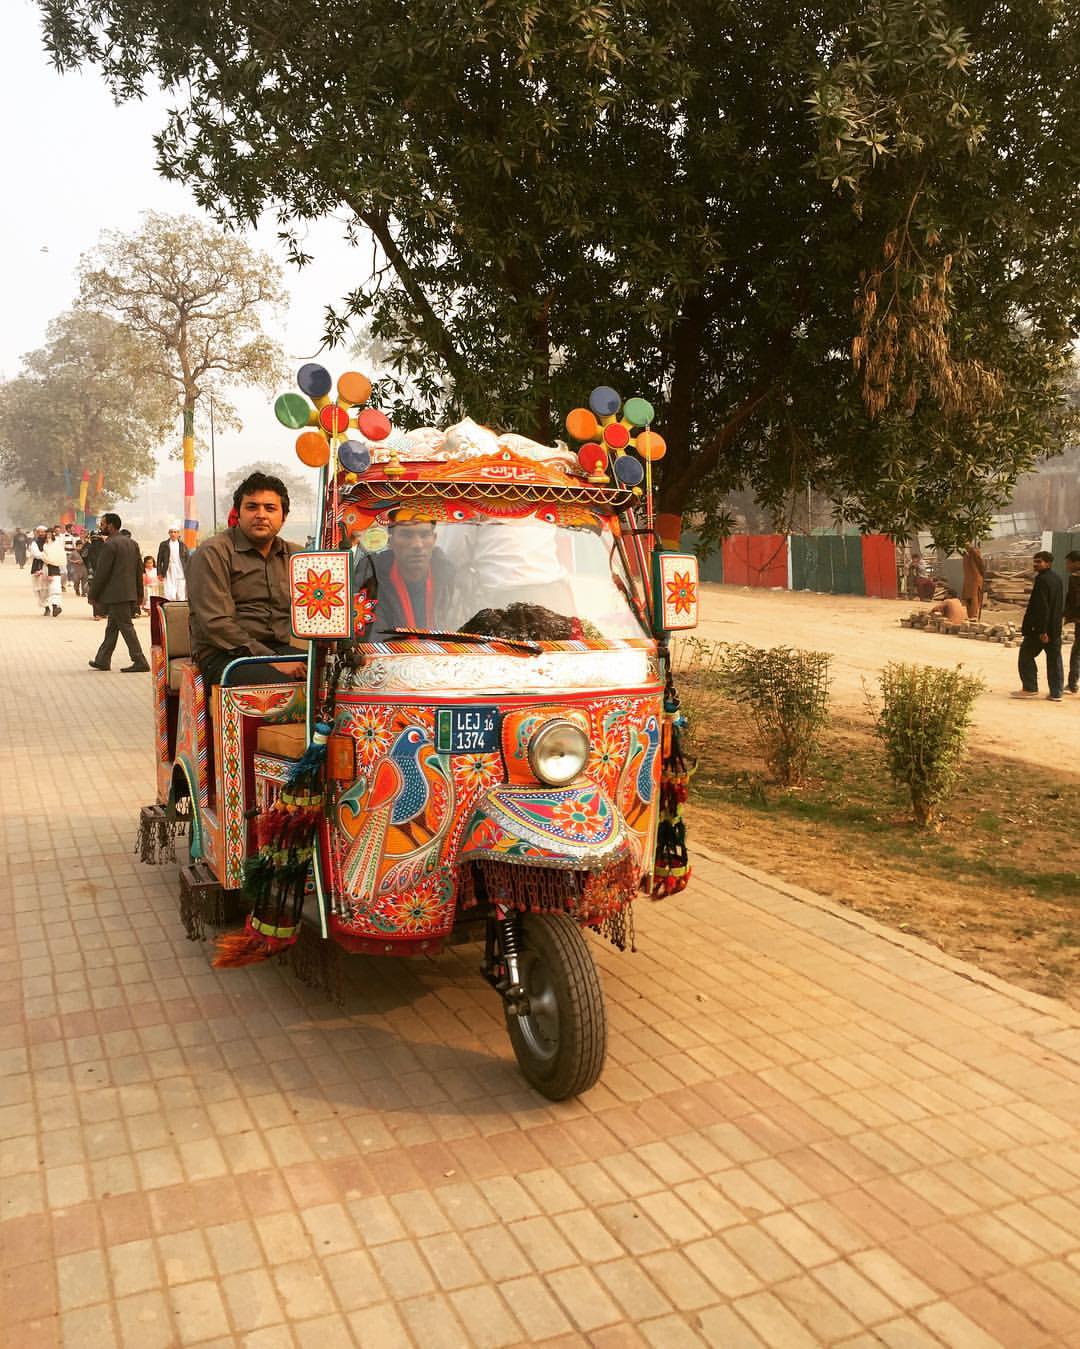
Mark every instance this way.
x=688 y=469
x=686 y=367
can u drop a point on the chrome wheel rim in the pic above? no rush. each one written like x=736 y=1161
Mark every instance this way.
x=540 y=1029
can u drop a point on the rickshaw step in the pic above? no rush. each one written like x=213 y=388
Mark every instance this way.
x=202 y=900
x=155 y=841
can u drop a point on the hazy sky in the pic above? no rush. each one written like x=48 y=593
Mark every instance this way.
x=75 y=164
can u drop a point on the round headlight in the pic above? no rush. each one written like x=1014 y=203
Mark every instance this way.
x=557 y=752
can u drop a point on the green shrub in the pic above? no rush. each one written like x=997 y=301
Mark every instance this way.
x=786 y=695
x=923 y=722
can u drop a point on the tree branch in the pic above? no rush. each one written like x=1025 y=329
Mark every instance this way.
x=436 y=333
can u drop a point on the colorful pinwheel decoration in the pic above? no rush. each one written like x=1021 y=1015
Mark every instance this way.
x=608 y=429
x=333 y=418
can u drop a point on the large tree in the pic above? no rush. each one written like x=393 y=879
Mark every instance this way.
x=88 y=400
x=198 y=298
x=838 y=240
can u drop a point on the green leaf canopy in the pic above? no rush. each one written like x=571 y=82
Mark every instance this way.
x=835 y=244
x=84 y=401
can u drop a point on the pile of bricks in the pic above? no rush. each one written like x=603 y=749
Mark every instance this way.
x=1008 y=634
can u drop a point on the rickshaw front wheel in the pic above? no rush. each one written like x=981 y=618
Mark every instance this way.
x=561 y=1040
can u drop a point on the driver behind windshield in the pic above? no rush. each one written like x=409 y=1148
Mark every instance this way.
x=414 y=577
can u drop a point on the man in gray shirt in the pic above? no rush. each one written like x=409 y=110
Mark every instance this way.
x=238 y=589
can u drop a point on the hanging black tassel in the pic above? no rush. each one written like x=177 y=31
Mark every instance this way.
x=671 y=871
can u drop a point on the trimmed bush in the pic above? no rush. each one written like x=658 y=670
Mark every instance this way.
x=923 y=723
x=786 y=695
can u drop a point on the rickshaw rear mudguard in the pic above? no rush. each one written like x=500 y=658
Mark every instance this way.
x=227 y=786
x=399 y=836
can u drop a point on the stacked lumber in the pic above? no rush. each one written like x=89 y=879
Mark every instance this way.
x=1008 y=634
x=1009 y=576
x=1007 y=590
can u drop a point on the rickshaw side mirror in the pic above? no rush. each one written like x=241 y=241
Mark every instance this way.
x=320 y=595
x=674 y=591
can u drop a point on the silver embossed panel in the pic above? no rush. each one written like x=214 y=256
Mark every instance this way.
x=483 y=673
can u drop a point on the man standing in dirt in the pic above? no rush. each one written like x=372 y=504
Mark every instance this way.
x=974 y=574
x=1041 y=630
x=1072 y=615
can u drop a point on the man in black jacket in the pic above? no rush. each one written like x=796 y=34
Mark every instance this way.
x=117 y=589
x=1072 y=615
x=1041 y=630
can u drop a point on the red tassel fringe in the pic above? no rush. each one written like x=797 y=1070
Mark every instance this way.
x=249 y=947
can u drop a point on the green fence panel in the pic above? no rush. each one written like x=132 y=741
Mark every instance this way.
x=805 y=555
x=832 y=564
x=1063 y=542
x=848 y=578
x=710 y=568
x=829 y=563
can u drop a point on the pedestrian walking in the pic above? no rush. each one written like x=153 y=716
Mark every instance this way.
x=151 y=582
x=974 y=579
x=91 y=552
x=117 y=588
x=55 y=567
x=39 y=572
x=70 y=541
x=5 y=544
x=21 y=546
x=1072 y=615
x=1041 y=629
x=172 y=565
x=77 y=573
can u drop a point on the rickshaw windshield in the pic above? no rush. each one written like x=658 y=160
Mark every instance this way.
x=529 y=579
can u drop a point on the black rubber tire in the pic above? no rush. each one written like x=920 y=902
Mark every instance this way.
x=560 y=1050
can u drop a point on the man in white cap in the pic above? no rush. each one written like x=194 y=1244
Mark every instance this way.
x=172 y=564
x=39 y=571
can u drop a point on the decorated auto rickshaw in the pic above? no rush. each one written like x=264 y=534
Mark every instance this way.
x=485 y=744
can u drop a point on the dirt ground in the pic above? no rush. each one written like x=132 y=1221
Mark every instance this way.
x=997 y=884
x=863 y=635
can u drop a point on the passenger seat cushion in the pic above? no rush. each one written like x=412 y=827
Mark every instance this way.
x=286 y=739
x=177 y=631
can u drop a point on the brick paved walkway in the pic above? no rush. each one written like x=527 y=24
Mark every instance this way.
x=811 y=1130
